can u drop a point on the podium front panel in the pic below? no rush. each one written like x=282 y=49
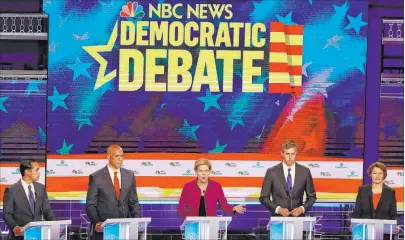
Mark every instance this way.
x=111 y=231
x=277 y=231
x=34 y=233
x=192 y=231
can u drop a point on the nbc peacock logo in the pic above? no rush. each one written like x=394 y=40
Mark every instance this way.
x=147 y=164
x=77 y=172
x=132 y=10
x=62 y=164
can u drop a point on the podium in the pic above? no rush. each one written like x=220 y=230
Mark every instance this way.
x=204 y=228
x=282 y=228
x=46 y=230
x=372 y=228
x=125 y=228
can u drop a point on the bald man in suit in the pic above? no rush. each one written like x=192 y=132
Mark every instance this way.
x=111 y=193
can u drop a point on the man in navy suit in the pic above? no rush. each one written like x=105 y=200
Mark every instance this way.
x=30 y=197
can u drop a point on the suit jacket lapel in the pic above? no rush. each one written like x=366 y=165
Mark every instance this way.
x=282 y=177
x=370 y=197
x=24 y=196
x=124 y=180
x=383 y=194
x=37 y=203
x=297 y=178
x=107 y=178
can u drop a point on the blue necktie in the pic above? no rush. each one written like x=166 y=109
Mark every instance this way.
x=31 y=198
x=289 y=181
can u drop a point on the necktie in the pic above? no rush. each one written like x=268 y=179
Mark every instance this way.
x=289 y=181
x=31 y=198
x=116 y=186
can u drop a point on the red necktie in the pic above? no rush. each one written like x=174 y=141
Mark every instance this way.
x=116 y=185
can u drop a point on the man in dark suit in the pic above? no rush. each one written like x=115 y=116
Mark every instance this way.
x=284 y=185
x=26 y=200
x=111 y=193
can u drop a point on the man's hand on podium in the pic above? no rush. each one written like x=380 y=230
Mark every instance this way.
x=239 y=209
x=98 y=227
x=297 y=211
x=17 y=231
x=284 y=212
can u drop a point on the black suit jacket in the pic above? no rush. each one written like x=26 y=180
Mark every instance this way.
x=386 y=208
x=101 y=201
x=275 y=186
x=16 y=207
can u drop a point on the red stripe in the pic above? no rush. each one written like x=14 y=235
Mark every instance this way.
x=284 y=68
x=281 y=47
x=287 y=29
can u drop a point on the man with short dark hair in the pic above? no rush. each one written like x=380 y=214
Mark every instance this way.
x=284 y=185
x=26 y=200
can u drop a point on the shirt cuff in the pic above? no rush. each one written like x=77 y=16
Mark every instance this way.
x=303 y=209
x=278 y=208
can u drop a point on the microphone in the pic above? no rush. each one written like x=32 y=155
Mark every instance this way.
x=41 y=211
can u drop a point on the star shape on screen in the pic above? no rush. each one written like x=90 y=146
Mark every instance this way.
x=261 y=133
x=188 y=131
x=122 y=127
x=321 y=88
x=311 y=141
x=304 y=68
x=390 y=130
x=2 y=107
x=333 y=41
x=40 y=138
x=235 y=119
x=287 y=20
x=32 y=87
x=158 y=112
x=94 y=51
x=350 y=121
x=218 y=148
x=57 y=99
x=65 y=149
x=83 y=120
x=355 y=23
x=80 y=68
x=342 y=10
x=210 y=100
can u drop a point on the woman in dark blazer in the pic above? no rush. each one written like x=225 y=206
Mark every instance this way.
x=376 y=200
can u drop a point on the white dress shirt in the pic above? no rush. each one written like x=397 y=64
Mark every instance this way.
x=111 y=171
x=292 y=172
x=25 y=186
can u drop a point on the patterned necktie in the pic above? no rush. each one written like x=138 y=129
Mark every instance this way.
x=289 y=181
x=116 y=186
x=31 y=198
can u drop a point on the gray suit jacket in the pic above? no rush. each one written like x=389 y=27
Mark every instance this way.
x=101 y=201
x=16 y=207
x=275 y=185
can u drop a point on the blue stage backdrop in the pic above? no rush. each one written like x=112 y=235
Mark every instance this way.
x=212 y=107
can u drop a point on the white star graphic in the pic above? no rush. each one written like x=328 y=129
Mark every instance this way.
x=333 y=41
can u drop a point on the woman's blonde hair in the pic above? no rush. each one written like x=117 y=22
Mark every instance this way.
x=202 y=161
